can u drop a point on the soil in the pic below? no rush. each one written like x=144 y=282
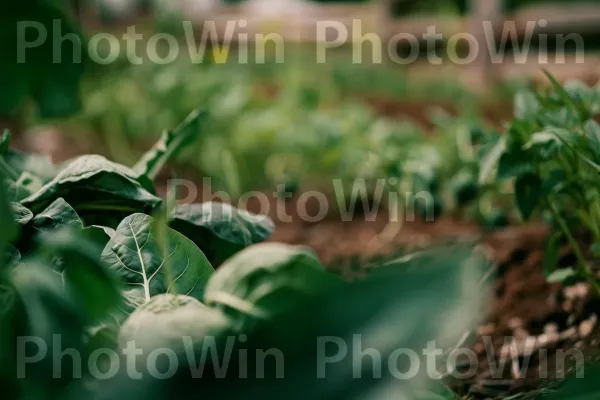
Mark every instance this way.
x=496 y=114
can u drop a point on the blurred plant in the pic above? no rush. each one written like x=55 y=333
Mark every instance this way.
x=551 y=150
x=29 y=68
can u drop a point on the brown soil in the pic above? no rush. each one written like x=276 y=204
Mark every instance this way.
x=495 y=114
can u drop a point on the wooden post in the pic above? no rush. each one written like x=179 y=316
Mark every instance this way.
x=480 y=11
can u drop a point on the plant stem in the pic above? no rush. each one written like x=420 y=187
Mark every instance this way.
x=583 y=264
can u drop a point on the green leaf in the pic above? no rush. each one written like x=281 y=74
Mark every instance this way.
x=551 y=253
x=490 y=161
x=561 y=275
x=513 y=163
x=526 y=105
x=94 y=287
x=168 y=146
x=148 y=267
x=165 y=320
x=548 y=143
x=580 y=385
x=267 y=280
x=528 y=189
x=57 y=215
x=555 y=182
x=98 y=190
x=219 y=229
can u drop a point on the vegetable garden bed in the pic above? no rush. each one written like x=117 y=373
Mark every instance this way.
x=97 y=256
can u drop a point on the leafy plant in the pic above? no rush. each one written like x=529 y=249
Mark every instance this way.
x=550 y=152
x=65 y=271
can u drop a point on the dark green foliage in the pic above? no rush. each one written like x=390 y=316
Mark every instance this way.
x=218 y=229
x=34 y=64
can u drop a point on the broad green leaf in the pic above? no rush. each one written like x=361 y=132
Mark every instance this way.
x=528 y=189
x=165 y=320
x=98 y=190
x=580 y=385
x=551 y=253
x=57 y=215
x=94 y=287
x=267 y=280
x=148 y=267
x=219 y=229
x=168 y=146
